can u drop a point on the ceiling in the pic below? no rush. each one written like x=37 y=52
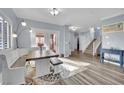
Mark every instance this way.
x=82 y=17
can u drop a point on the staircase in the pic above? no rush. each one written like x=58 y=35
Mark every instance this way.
x=89 y=49
x=94 y=48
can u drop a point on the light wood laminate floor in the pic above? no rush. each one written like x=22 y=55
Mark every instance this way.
x=96 y=74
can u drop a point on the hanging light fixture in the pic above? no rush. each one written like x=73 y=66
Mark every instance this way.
x=54 y=11
x=73 y=28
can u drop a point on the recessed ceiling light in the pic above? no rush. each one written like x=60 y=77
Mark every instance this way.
x=14 y=35
x=98 y=28
x=30 y=30
x=5 y=21
x=23 y=23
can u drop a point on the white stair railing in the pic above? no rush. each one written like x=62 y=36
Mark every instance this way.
x=87 y=44
x=96 y=45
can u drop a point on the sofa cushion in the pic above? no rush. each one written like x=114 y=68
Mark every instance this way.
x=12 y=55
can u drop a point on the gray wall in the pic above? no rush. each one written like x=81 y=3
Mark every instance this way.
x=114 y=19
x=43 y=25
x=113 y=39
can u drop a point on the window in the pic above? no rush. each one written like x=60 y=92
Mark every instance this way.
x=10 y=36
x=5 y=34
x=1 y=33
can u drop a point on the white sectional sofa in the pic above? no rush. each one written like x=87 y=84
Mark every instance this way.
x=0 y=72
x=3 y=52
x=8 y=57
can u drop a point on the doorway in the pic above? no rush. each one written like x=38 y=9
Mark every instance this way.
x=40 y=39
x=53 y=45
x=78 y=44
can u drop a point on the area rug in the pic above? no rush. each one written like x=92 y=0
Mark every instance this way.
x=69 y=68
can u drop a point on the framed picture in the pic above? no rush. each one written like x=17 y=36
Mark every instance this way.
x=116 y=27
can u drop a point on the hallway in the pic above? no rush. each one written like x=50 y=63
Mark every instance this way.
x=96 y=74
